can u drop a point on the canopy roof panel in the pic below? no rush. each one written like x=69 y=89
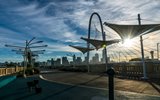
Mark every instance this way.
x=131 y=31
x=82 y=49
x=99 y=43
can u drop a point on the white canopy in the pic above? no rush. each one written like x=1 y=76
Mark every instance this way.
x=131 y=31
x=82 y=49
x=99 y=43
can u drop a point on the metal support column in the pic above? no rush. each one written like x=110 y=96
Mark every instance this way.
x=157 y=51
x=142 y=51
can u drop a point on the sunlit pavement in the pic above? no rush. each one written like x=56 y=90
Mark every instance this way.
x=18 y=90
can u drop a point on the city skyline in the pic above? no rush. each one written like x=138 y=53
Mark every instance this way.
x=63 y=61
x=62 y=23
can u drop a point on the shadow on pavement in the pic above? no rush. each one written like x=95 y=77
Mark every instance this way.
x=71 y=87
x=154 y=86
x=12 y=94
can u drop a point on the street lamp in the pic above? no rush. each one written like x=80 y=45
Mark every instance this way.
x=27 y=53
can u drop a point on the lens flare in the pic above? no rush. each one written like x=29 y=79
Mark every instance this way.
x=128 y=43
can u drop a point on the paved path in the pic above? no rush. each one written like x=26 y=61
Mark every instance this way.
x=101 y=81
x=17 y=90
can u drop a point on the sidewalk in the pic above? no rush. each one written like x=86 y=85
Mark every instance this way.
x=4 y=80
x=17 y=90
x=99 y=81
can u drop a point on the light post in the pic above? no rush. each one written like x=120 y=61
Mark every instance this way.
x=158 y=51
x=142 y=51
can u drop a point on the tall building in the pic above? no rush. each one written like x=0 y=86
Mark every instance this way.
x=52 y=62
x=48 y=63
x=95 y=59
x=65 y=61
x=79 y=60
x=103 y=57
x=74 y=60
x=85 y=60
x=57 y=62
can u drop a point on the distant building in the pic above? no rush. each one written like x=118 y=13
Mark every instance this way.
x=95 y=59
x=48 y=63
x=85 y=60
x=103 y=59
x=78 y=61
x=57 y=62
x=65 y=61
x=42 y=63
x=71 y=62
x=74 y=58
x=52 y=62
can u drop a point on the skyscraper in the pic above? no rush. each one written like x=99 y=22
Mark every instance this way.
x=57 y=62
x=74 y=59
x=85 y=60
x=95 y=59
x=78 y=60
x=65 y=61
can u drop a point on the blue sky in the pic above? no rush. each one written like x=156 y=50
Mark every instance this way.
x=60 y=23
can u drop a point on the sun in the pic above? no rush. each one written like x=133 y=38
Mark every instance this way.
x=128 y=43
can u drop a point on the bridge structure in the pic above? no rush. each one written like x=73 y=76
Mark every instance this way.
x=125 y=32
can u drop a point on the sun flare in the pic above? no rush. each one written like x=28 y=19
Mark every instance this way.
x=128 y=43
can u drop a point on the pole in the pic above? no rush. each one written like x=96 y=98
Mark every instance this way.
x=139 y=19
x=119 y=56
x=88 y=46
x=157 y=51
x=142 y=51
x=110 y=71
x=105 y=52
x=25 y=58
x=24 y=65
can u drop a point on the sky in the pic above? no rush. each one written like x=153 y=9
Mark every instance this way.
x=60 y=23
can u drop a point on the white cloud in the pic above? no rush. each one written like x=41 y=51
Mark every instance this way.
x=38 y=24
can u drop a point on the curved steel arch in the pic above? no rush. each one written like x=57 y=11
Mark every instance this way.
x=89 y=27
x=103 y=36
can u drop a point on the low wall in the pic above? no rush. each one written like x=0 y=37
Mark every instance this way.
x=10 y=70
x=131 y=69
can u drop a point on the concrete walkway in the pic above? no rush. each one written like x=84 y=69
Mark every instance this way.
x=101 y=81
x=18 y=90
x=4 y=80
